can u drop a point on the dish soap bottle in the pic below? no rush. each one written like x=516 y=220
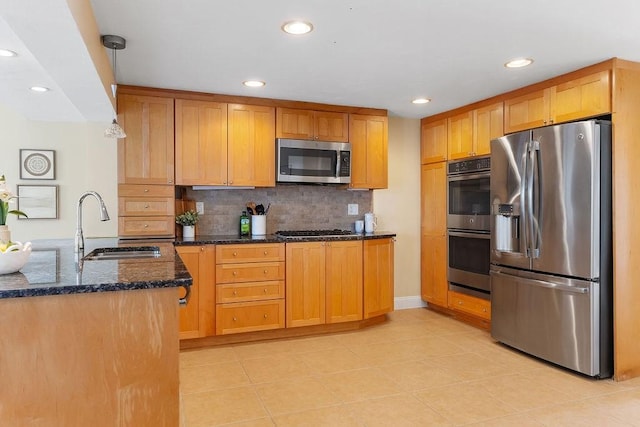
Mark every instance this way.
x=244 y=224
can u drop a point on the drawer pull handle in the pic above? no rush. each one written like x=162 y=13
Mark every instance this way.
x=265 y=290
x=265 y=316
x=265 y=271
x=234 y=319
x=146 y=225
x=484 y=310
x=146 y=206
x=235 y=254
x=266 y=252
x=146 y=190
x=235 y=292
x=235 y=273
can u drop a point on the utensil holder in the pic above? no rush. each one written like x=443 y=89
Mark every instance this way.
x=258 y=225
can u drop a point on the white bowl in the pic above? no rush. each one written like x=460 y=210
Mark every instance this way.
x=15 y=257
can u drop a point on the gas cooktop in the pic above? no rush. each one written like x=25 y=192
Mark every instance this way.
x=313 y=233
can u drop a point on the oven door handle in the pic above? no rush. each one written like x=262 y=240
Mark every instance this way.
x=469 y=235
x=467 y=176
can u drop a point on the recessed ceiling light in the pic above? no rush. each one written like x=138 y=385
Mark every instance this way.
x=421 y=101
x=253 y=83
x=7 y=53
x=39 y=88
x=297 y=27
x=519 y=62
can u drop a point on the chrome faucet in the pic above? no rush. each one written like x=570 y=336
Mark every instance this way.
x=104 y=216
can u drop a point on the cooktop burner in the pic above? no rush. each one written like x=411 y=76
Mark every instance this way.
x=313 y=233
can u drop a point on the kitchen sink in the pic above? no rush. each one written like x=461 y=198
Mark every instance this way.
x=123 y=253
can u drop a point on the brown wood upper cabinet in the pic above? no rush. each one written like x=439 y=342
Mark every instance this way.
x=224 y=144
x=314 y=125
x=580 y=98
x=470 y=133
x=433 y=141
x=145 y=156
x=369 y=151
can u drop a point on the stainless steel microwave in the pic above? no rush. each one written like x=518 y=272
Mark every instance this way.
x=316 y=162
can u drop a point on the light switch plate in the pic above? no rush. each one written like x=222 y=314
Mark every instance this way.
x=200 y=207
x=352 y=209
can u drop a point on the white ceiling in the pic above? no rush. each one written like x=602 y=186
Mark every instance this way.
x=371 y=53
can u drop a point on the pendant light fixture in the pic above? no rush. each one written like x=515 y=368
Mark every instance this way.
x=114 y=43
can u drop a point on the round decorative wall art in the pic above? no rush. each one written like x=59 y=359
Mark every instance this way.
x=37 y=164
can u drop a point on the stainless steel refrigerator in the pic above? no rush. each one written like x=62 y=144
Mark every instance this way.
x=551 y=252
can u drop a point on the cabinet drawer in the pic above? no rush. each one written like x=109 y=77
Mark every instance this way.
x=249 y=316
x=250 y=252
x=131 y=226
x=471 y=305
x=149 y=206
x=249 y=272
x=252 y=291
x=141 y=190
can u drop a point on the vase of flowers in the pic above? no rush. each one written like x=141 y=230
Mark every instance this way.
x=188 y=221
x=6 y=197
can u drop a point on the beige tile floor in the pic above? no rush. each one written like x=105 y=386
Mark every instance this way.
x=418 y=369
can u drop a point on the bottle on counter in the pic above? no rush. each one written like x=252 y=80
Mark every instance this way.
x=244 y=224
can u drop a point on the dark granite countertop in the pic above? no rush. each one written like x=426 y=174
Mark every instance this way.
x=215 y=239
x=53 y=267
x=52 y=270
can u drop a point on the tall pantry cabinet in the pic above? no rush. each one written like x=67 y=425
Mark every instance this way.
x=146 y=166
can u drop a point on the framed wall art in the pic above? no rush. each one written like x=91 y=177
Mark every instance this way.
x=38 y=201
x=37 y=164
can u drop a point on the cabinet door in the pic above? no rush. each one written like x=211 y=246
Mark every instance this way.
x=251 y=146
x=344 y=281
x=433 y=138
x=434 y=199
x=197 y=317
x=460 y=136
x=201 y=143
x=527 y=111
x=369 y=156
x=294 y=124
x=329 y=126
x=581 y=98
x=378 y=277
x=433 y=270
x=487 y=125
x=305 y=284
x=145 y=156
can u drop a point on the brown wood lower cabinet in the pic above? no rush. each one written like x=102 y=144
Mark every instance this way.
x=324 y=282
x=470 y=305
x=249 y=287
x=378 y=277
x=197 y=318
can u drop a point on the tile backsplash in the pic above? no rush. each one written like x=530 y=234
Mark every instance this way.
x=293 y=207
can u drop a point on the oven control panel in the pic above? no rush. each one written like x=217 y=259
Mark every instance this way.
x=480 y=164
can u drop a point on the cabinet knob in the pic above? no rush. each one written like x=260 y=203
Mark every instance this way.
x=265 y=290
x=265 y=316
x=235 y=292
x=265 y=271
x=235 y=254
x=235 y=273
x=146 y=206
x=146 y=225
x=224 y=182
x=146 y=190
x=230 y=182
x=202 y=249
x=459 y=302
x=544 y=122
x=551 y=121
x=266 y=252
x=234 y=319
x=170 y=181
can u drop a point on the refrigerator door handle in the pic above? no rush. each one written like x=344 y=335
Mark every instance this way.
x=529 y=199
x=550 y=285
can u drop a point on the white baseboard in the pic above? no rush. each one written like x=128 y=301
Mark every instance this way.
x=401 y=303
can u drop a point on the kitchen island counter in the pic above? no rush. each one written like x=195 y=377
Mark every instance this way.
x=54 y=269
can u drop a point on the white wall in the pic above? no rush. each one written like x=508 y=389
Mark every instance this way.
x=85 y=160
x=398 y=207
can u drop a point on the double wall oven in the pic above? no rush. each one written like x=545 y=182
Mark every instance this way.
x=468 y=226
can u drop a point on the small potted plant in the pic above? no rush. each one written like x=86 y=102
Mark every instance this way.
x=188 y=221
